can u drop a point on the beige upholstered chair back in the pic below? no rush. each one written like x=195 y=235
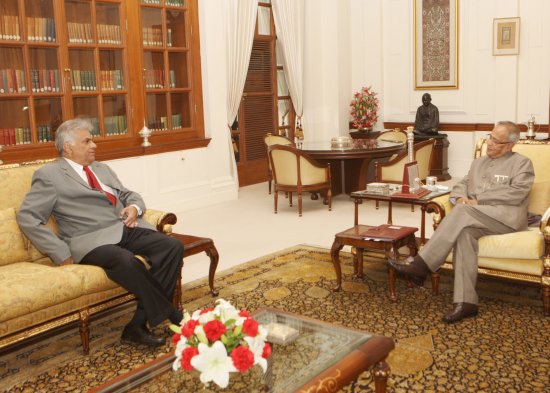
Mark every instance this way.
x=393 y=136
x=392 y=171
x=277 y=140
x=291 y=168
x=539 y=154
x=423 y=156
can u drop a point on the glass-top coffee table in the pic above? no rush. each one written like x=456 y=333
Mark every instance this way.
x=323 y=357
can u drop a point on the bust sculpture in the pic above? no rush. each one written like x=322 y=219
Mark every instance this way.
x=427 y=117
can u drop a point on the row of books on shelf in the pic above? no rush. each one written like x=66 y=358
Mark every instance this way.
x=12 y=81
x=45 y=81
x=41 y=29
x=115 y=125
x=15 y=136
x=82 y=80
x=154 y=79
x=174 y=3
x=108 y=34
x=9 y=27
x=161 y=123
x=80 y=33
x=111 y=80
x=152 y=36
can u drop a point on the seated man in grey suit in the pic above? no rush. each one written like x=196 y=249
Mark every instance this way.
x=99 y=223
x=491 y=199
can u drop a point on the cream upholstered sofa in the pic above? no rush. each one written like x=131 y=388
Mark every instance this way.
x=522 y=256
x=36 y=295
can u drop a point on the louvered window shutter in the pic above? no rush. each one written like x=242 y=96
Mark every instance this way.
x=258 y=102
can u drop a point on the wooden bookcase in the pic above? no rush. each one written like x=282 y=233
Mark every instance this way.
x=122 y=64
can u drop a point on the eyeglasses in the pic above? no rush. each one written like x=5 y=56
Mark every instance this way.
x=490 y=138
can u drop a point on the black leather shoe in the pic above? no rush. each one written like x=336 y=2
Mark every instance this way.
x=413 y=268
x=136 y=334
x=460 y=311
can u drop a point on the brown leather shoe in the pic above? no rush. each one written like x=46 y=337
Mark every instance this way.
x=412 y=267
x=460 y=311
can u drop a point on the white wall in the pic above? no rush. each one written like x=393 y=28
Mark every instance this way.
x=354 y=43
x=379 y=46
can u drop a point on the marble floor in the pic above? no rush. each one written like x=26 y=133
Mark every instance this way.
x=247 y=228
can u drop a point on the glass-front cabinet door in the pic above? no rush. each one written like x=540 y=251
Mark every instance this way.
x=166 y=61
x=97 y=69
x=122 y=64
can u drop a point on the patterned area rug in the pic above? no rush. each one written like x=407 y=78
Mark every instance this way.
x=504 y=349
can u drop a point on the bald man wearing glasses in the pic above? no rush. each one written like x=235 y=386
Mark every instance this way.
x=490 y=200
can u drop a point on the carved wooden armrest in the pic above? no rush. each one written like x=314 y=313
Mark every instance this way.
x=440 y=206
x=162 y=221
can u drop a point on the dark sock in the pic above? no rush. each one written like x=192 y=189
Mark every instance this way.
x=139 y=318
x=176 y=317
x=418 y=260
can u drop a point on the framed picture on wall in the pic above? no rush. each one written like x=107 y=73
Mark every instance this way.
x=436 y=44
x=506 y=36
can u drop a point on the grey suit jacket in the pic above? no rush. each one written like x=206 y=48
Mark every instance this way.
x=501 y=187
x=85 y=218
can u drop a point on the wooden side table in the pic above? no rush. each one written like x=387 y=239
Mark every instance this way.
x=388 y=238
x=193 y=245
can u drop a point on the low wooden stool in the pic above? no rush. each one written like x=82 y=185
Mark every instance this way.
x=387 y=238
x=193 y=245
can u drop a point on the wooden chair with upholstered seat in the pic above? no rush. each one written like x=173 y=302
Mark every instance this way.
x=392 y=170
x=295 y=171
x=274 y=140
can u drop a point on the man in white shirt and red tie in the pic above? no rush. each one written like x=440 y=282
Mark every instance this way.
x=99 y=223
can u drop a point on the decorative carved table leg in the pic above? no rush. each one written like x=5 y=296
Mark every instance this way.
x=359 y=262
x=435 y=283
x=335 y=256
x=212 y=252
x=393 y=293
x=84 y=329
x=380 y=374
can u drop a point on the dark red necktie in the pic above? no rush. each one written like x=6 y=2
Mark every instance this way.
x=94 y=183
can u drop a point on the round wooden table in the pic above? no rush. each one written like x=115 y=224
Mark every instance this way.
x=352 y=168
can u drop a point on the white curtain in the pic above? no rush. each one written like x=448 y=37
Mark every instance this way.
x=289 y=25
x=241 y=22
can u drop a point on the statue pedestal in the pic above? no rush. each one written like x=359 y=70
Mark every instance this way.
x=440 y=167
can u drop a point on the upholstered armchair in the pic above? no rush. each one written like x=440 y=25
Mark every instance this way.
x=295 y=171
x=274 y=140
x=521 y=256
x=392 y=170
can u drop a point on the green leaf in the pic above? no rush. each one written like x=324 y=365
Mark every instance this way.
x=175 y=328
x=229 y=322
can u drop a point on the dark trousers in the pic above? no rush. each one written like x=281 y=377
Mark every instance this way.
x=153 y=288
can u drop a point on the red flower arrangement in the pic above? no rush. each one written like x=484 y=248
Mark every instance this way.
x=364 y=108
x=218 y=341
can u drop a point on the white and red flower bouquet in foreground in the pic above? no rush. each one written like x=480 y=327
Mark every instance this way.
x=218 y=341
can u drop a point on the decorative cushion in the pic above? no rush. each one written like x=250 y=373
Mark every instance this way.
x=524 y=245
x=539 y=198
x=12 y=244
x=33 y=251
